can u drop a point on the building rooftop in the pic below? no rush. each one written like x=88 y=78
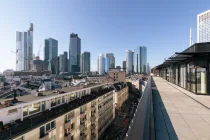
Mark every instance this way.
x=48 y=94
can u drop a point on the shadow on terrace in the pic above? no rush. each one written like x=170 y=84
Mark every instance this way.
x=164 y=129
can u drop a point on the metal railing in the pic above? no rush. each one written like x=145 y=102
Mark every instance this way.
x=142 y=125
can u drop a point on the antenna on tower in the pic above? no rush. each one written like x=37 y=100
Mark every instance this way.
x=191 y=36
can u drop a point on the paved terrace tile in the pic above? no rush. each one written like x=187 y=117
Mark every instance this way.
x=178 y=116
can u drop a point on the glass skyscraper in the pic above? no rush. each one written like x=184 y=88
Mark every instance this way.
x=140 y=60
x=74 y=53
x=24 y=49
x=101 y=64
x=63 y=62
x=111 y=58
x=51 y=54
x=85 y=63
x=129 y=62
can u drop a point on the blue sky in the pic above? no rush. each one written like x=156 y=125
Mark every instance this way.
x=104 y=26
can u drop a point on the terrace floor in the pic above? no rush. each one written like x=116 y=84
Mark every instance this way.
x=179 y=114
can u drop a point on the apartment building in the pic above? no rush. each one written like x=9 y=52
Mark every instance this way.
x=117 y=75
x=121 y=94
x=75 y=113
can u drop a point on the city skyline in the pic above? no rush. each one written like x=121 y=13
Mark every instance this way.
x=92 y=34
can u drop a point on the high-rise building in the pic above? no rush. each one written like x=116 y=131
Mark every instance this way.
x=148 y=68
x=129 y=62
x=66 y=61
x=24 y=49
x=51 y=54
x=101 y=64
x=74 y=53
x=124 y=65
x=140 y=59
x=203 y=27
x=111 y=60
x=85 y=63
x=107 y=64
x=61 y=63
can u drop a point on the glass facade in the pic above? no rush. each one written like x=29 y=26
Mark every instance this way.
x=51 y=54
x=129 y=62
x=140 y=60
x=85 y=62
x=191 y=76
x=111 y=58
x=74 y=53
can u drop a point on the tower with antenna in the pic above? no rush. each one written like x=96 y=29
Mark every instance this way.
x=191 y=42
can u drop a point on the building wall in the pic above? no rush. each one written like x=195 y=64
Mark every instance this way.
x=119 y=76
x=203 y=26
x=96 y=114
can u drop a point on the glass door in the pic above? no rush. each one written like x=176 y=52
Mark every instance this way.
x=192 y=79
x=201 y=81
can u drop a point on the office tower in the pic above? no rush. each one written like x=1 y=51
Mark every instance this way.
x=111 y=59
x=203 y=27
x=66 y=61
x=74 y=53
x=140 y=59
x=148 y=68
x=61 y=63
x=124 y=65
x=129 y=62
x=107 y=64
x=24 y=49
x=101 y=64
x=85 y=63
x=51 y=54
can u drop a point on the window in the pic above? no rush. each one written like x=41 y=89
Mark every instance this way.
x=34 y=108
x=42 y=132
x=72 y=126
x=53 y=102
x=63 y=99
x=59 y=100
x=25 y=111
x=12 y=111
x=47 y=127
x=50 y=126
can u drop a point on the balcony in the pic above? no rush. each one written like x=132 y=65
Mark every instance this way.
x=93 y=118
x=67 y=125
x=83 y=128
x=68 y=136
x=93 y=136
x=93 y=127
x=93 y=104
x=82 y=114
x=93 y=109
x=46 y=137
x=83 y=136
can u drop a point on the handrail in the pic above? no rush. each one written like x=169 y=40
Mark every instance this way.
x=142 y=124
